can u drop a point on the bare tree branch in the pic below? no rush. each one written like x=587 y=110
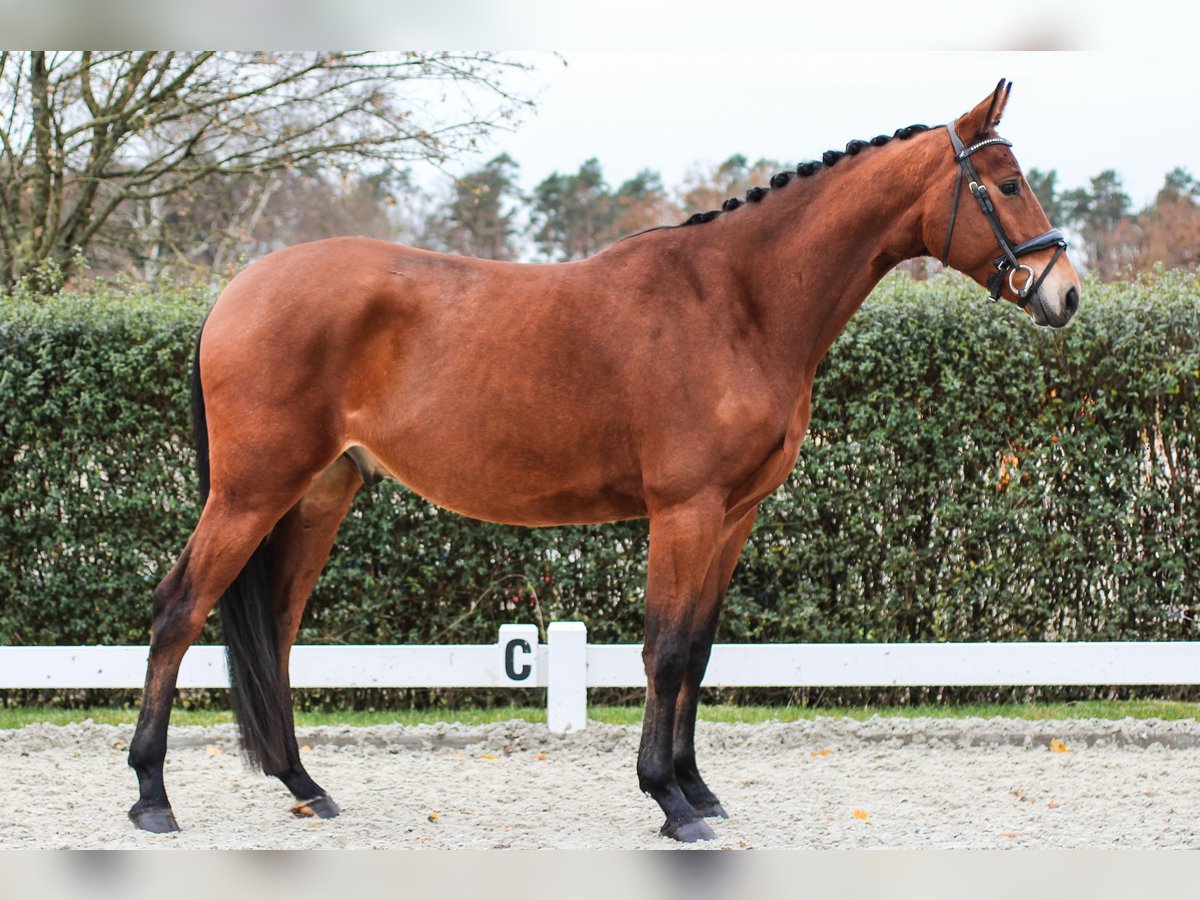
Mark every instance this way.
x=88 y=134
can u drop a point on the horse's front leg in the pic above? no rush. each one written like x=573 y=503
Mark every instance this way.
x=683 y=543
x=704 y=629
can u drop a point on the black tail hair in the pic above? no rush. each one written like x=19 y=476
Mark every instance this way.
x=261 y=703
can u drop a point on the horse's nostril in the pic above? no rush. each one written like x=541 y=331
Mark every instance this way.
x=1072 y=300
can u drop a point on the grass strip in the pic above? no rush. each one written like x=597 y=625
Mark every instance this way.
x=17 y=717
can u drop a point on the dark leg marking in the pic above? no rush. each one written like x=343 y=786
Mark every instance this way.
x=699 y=650
x=683 y=542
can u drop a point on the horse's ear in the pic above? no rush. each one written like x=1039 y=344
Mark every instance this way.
x=984 y=118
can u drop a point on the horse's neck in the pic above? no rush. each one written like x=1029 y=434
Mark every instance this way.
x=829 y=240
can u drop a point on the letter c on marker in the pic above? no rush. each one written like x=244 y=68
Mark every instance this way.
x=510 y=651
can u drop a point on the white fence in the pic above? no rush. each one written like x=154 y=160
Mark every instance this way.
x=567 y=666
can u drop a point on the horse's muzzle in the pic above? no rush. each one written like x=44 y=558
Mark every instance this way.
x=1055 y=315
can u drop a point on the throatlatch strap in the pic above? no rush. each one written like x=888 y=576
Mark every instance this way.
x=953 y=216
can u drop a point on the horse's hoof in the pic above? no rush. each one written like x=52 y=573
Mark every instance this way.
x=713 y=811
x=688 y=832
x=322 y=807
x=156 y=821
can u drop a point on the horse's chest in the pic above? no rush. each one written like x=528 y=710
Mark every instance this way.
x=779 y=465
x=775 y=460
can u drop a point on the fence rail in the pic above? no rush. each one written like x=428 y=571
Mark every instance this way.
x=567 y=666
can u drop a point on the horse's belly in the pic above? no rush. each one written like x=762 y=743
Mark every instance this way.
x=512 y=493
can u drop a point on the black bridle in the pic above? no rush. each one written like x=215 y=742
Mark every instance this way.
x=1009 y=263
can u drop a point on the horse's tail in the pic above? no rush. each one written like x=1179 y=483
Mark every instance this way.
x=256 y=690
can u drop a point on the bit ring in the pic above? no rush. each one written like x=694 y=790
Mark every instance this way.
x=1022 y=291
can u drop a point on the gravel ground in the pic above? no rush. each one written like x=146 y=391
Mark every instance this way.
x=824 y=784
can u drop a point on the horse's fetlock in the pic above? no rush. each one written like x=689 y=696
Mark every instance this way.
x=141 y=757
x=653 y=775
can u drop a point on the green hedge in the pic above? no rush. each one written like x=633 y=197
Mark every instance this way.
x=966 y=477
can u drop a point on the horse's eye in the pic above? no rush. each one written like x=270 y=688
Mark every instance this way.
x=1010 y=188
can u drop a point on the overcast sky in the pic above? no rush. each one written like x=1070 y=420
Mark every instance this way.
x=674 y=109
x=699 y=80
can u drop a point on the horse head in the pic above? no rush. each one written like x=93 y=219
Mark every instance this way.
x=1030 y=268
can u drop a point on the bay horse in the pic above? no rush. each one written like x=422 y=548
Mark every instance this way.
x=668 y=376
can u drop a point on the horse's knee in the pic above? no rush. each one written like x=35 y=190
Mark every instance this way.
x=666 y=662
x=697 y=661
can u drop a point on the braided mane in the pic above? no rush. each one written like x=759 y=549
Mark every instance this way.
x=804 y=170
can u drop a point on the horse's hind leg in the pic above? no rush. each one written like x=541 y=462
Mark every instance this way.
x=704 y=629
x=300 y=546
x=223 y=543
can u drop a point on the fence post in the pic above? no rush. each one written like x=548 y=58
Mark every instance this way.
x=566 y=688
